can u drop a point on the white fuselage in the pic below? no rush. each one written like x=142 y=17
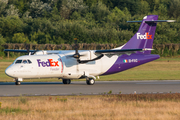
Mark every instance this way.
x=59 y=66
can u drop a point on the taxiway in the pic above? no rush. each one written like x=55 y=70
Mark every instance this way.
x=81 y=88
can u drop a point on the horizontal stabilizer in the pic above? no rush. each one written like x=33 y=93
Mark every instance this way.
x=152 y=21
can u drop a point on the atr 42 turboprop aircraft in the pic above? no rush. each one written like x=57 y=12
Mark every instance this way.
x=77 y=64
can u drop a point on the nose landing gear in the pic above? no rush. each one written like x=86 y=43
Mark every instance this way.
x=18 y=81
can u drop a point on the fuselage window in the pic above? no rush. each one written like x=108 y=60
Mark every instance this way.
x=18 y=61
x=25 y=61
x=29 y=61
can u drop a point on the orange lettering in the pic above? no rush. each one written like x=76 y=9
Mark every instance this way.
x=51 y=62
x=56 y=63
x=148 y=36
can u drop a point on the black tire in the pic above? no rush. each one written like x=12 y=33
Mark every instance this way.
x=87 y=82
x=17 y=82
x=90 y=81
x=66 y=81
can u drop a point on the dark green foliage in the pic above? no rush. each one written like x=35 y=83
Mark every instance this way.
x=91 y=21
x=2 y=41
x=10 y=26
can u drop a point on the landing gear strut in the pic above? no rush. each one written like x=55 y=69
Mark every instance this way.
x=66 y=81
x=90 y=81
x=17 y=82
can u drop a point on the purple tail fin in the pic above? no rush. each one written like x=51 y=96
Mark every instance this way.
x=145 y=35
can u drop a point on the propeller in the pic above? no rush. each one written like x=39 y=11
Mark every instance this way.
x=77 y=55
x=27 y=48
x=30 y=52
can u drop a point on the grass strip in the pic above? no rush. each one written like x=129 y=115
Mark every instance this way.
x=107 y=106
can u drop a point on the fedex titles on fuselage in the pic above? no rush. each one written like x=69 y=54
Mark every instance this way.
x=48 y=63
x=145 y=36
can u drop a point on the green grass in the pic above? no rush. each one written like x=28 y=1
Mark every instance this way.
x=177 y=58
x=162 y=69
x=7 y=59
x=8 y=110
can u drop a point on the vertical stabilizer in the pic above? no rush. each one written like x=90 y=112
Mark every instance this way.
x=145 y=35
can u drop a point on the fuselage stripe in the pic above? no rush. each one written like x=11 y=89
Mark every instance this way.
x=61 y=66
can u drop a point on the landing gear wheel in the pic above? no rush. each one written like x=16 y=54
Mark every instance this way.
x=17 y=82
x=90 y=81
x=66 y=81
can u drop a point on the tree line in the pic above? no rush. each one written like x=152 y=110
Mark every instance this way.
x=91 y=21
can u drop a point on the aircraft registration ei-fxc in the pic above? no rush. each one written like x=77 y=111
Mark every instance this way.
x=77 y=64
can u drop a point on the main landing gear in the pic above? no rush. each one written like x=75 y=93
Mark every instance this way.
x=90 y=81
x=66 y=81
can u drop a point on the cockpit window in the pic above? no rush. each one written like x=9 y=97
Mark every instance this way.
x=25 y=61
x=18 y=61
x=29 y=61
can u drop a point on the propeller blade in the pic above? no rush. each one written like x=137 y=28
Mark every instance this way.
x=27 y=49
x=76 y=46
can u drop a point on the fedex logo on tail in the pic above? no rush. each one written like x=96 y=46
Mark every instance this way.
x=145 y=36
x=48 y=63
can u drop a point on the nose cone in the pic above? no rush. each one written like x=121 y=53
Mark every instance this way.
x=9 y=72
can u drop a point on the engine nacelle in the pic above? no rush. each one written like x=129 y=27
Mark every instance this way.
x=41 y=52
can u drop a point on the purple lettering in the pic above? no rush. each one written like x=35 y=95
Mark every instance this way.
x=38 y=60
x=43 y=64
x=48 y=63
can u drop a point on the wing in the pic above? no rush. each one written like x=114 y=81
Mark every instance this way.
x=120 y=51
x=101 y=53
x=12 y=50
x=32 y=52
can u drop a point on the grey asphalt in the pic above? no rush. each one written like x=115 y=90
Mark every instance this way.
x=81 y=88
